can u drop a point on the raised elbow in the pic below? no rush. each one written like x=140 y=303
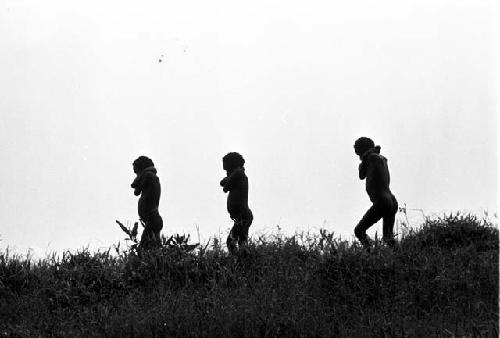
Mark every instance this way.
x=362 y=174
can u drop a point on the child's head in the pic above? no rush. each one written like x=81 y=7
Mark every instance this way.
x=362 y=145
x=232 y=161
x=141 y=163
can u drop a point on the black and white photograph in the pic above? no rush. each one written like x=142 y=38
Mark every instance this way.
x=272 y=168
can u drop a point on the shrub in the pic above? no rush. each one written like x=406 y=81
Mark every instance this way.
x=441 y=280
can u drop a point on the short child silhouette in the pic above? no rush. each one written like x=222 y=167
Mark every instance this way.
x=236 y=183
x=147 y=184
x=374 y=169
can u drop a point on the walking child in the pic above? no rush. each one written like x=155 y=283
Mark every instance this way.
x=374 y=169
x=236 y=183
x=147 y=184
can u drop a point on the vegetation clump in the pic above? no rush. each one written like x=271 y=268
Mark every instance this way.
x=441 y=280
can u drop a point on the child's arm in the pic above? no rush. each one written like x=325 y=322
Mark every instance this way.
x=363 y=166
x=137 y=186
x=231 y=180
x=362 y=169
x=141 y=183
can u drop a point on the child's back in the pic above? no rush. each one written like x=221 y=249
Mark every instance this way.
x=376 y=171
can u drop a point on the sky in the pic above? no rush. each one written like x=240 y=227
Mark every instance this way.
x=88 y=86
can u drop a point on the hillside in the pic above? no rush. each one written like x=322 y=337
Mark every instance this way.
x=441 y=281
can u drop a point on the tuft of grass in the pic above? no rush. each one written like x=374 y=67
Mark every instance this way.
x=442 y=280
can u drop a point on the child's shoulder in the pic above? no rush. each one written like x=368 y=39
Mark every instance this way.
x=373 y=157
x=149 y=175
x=376 y=158
x=239 y=173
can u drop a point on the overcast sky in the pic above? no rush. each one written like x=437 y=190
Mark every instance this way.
x=288 y=84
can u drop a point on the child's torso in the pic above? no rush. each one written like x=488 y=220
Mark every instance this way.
x=237 y=199
x=150 y=196
x=377 y=177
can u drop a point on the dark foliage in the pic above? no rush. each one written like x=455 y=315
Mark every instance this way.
x=442 y=280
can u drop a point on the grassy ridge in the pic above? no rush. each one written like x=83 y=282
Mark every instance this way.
x=441 y=281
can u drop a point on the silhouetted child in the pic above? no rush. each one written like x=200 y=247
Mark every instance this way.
x=147 y=184
x=374 y=169
x=236 y=183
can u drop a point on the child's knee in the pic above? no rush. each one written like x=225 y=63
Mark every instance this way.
x=359 y=231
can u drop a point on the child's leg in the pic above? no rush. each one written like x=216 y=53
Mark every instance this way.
x=372 y=216
x=146 y=237
x=232 y=239
x=389 y=219
x=243 y=228
x=388 y=228
x=151 y=234
x=239 y=232
x=156 y=226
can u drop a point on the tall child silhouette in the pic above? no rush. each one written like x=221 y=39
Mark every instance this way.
x=236 y=183
x=147 y=184
x=374 y=169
